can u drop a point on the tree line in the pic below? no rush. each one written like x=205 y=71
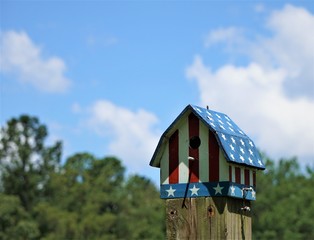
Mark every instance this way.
x=91 y=198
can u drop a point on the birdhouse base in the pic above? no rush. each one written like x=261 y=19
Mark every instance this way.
x=208 y=218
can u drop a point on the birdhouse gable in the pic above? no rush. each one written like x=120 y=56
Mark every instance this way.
x=236 y=146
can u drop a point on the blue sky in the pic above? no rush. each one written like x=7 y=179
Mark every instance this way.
x=108 y=77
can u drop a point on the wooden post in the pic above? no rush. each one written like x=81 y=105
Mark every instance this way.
x=208 y=218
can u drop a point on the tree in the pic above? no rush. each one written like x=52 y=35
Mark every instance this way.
x=285 y=202
x=146 y=213
x=26 y=163
x=15 y=222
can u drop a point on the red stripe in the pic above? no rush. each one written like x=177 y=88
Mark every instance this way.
x=247 y=177
x=254 y=179
x=194 y=164
x=230 y=173
x=238 y=175
x=213 y=152
x=174 y=158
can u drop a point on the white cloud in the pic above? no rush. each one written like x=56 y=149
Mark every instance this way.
x=291 y=47
x=255 y=95
x=20 y=56
x=132 y=136
x=229 y=36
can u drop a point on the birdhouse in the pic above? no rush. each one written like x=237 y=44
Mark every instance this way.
x=203 y=153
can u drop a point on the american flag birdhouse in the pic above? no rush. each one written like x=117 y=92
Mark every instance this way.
x=204 y=153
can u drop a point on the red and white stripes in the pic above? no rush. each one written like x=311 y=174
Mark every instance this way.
x=209 y=164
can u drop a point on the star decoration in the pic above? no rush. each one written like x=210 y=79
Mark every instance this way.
x=232 y=147
x=237 y=147
x=251 y=152
x=210 y=118
x=218 y=189
x=194 y=190
x=223 y=136
x=232 y=189
x=253 y=194
x=242 y=150
x=171 y=191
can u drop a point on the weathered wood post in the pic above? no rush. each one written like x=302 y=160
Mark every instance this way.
x=207 y=176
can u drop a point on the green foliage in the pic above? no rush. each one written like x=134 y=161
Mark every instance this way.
x=15 y=222
x=90 y=197
x=285 y=202
x=25 y=163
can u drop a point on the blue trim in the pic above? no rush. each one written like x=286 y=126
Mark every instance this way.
x=209 y=189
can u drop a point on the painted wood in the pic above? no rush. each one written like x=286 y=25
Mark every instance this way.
x=184 y=152
x=194 y=153
x=213 y=156
x=203 y=154
x=207 y=218
x=174 y=157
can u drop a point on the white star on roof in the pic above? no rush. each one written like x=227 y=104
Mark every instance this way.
x=171 y=191
x=210 y=118
x=260 y=162
x=242 y=142
x=223 y=136
x=194 y=190
x=231 y=129
x=242 y=151
x=251 y=152
x=232 y=147
x=233 y=140
x=251 y=161
x=242 y=158
x=231 y=155
x=218 y=189
x=229 y=124
x=222 y=127
x=251 y=143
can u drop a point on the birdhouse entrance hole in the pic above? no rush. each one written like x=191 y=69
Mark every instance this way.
x=195 y=142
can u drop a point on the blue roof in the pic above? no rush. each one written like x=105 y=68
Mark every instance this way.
x=237 y=147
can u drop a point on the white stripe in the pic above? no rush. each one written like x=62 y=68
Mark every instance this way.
x=251 y=178
x=242 y=175
x=203 y=154
x=184 y=152
x=164 y=166
x=223 y=167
